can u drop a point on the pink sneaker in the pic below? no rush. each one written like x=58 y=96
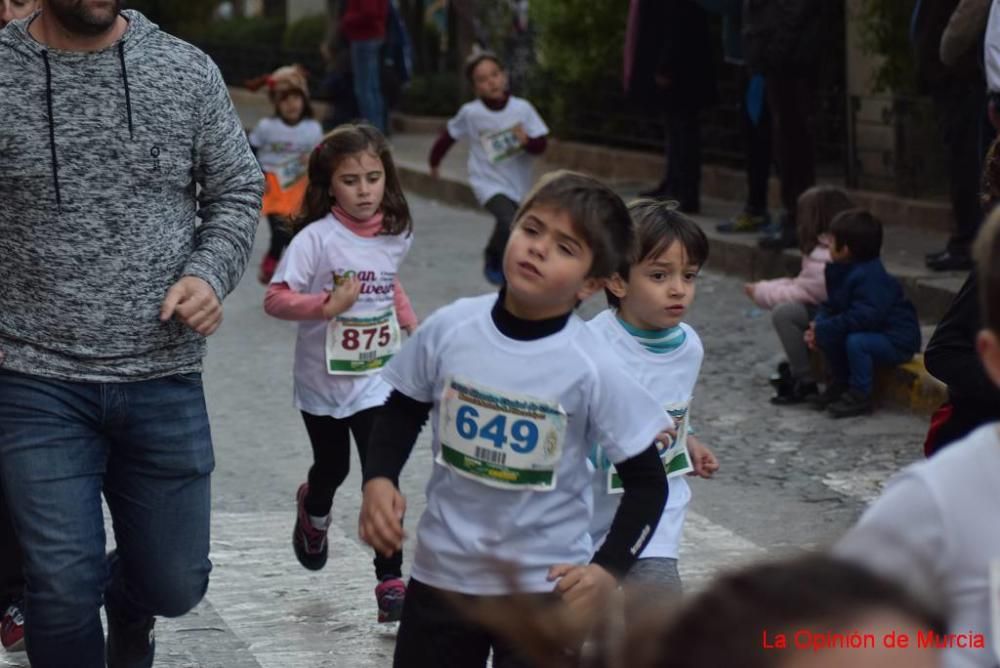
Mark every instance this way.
x=12 y=628
x=390 y=594
x=309 y=542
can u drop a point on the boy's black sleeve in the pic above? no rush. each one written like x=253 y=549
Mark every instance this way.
x=645 y=495
x=394 y=433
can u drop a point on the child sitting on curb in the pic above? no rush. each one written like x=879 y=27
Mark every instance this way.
x=794 y=300
x=866 y=319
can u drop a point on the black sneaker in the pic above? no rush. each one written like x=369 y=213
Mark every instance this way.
x=309 y=542
x=131 y=643
x=832 y=393
x=799 y=393
x=850 y=404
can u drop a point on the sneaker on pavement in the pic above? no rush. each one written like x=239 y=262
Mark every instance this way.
x=850 y=404
x=798 y=393
x=390 y=594
x=832 y=393
x=309 y=542
x=12 y=627
x=131 y=643
x=745 y=222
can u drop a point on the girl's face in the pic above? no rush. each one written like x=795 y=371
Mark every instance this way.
x=358 y=184
x=15 y=9
x=290 y=106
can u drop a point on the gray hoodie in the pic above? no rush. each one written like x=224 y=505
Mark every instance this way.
x=100 y=158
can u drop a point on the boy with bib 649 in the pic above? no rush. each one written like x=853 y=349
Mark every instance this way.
x=338 y=280
x=517 y=388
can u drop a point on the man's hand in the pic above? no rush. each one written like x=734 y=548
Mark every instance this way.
x=583 y=588
x=703 y=459
x=521 y=136
x=342 y=297
x=810 y=336
x=194 y=303
x=381 y=521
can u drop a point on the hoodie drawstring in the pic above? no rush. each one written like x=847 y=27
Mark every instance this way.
x=52 y=128
x=128 y=95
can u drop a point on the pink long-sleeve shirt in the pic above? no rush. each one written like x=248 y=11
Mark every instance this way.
x=283 y=302
x=809 y=287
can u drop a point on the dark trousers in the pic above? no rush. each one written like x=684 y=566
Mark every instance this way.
x=852 y=360
x=757 y=144
x=11 y=562
x=684 y=157
x=434 y=632
x=503 y=209
x=331 y=446
x=961 y=109
x=792 y=100
x=280 y=236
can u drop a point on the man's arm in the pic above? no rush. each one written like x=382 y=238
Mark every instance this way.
x=231 y=188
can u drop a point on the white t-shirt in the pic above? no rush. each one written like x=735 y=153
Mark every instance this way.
x=280 y=147
x=936 y=528
x=498 y=164
x=670 y=378
x=321 y=250
x=470 y=526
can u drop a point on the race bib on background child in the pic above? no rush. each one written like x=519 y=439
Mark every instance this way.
x=501 y=145
x=673 y=453
x=500 y=439
x=361 y=345
x=290 y=171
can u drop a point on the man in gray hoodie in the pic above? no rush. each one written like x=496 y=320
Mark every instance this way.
x=128 y=203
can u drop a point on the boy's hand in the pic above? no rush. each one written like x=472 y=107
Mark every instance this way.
x=521 y=135
x=342 y=297
x=704 y=460
x=583 y=588
x=810 y=336
x=380 y=523
x=748 y=289
x=436 y=172
x=193 y=301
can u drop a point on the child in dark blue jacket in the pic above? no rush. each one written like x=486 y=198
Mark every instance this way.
x=866 y=319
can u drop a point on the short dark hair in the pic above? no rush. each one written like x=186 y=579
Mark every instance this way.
x=987 y=253
x=598 y=215
x=722 y=625
x=472 y=62
x=342 y=142
x=860 y=231
x=658 y=224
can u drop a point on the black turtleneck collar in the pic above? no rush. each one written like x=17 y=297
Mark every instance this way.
x=520 y=329
x=496 y=105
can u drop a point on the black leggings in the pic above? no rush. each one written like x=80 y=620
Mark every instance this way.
x=503 y=209
x=280 y=236
x=331 y=445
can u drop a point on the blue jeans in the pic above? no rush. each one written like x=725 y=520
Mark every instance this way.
x=146 y=445
x=365 y=57
x=852 y=360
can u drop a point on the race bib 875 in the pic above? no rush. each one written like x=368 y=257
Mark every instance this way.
x=360 y=345
x=500 y=439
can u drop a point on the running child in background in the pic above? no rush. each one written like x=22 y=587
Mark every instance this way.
x=518 y=387
x=794 y=301
x=282 y=143
x=645 y=330
x=338 y=279
x=505 y=134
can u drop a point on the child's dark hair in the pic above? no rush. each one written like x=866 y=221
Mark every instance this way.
x=815 y=210
x=598 y=214
x=658 y=224
x=860 y=231
x=307 y=110
x=472 y=62
x=723 y=625
x=337 y=145
x=987 y=253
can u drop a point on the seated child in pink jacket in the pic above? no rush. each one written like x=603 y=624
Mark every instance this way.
x=793 y=300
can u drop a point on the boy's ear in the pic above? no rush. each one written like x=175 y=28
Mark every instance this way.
x=988 y=346
x=617 y=285
x=590 y=286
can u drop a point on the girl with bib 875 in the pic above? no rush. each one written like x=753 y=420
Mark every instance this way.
x=338 y=280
